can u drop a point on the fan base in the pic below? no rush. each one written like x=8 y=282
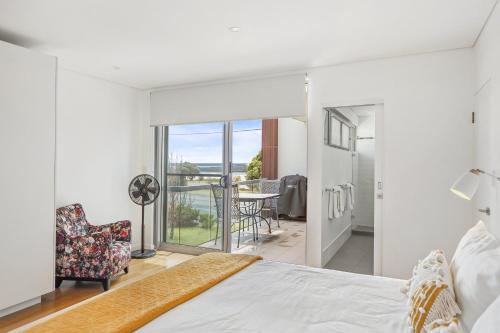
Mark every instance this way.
x=137 y=254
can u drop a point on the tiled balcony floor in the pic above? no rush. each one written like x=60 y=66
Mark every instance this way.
x=285 y=244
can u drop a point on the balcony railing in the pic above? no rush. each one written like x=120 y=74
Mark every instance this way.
x=192 y=212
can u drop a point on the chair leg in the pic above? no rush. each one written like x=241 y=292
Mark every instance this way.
x=239 y=231
x=126 y=270
x=277 y=216
x=106 y=284
x=217 y=232
x=59 y=280
x=260 y=218
x=256 y=229
x=253 y=230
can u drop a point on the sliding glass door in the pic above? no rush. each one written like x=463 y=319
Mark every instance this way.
x=193 y=166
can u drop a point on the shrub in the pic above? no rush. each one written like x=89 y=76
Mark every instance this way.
x=207 y=220
x=254 y=170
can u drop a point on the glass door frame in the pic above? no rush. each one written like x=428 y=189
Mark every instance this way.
x=159 y=212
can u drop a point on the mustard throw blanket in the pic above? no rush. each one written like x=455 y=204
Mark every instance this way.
x=130 y=307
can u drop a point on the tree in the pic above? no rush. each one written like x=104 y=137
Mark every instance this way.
x=254 y=169
x=189 y=168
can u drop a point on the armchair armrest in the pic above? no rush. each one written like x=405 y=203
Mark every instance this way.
x=120 y=231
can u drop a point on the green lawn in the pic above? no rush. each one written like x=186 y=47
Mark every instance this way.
x=195 y=236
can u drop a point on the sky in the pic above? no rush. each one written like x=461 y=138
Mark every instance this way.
x=203 y=143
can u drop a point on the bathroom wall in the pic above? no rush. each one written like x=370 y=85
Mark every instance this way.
x=362 y=214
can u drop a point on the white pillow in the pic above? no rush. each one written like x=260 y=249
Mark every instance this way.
x=475 y=268
x=489 y=322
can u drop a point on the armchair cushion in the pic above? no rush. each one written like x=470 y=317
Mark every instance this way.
x=84 y=256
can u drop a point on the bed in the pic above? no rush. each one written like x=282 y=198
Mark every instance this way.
x=221 y=292
x=276 y=297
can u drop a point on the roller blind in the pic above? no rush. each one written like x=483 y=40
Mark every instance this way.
x=283 y=96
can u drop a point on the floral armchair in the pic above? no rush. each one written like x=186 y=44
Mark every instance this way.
x=88 y=252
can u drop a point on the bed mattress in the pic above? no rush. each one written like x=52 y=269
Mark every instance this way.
x=277 y=297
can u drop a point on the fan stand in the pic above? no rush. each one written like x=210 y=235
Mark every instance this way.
x=142 y=253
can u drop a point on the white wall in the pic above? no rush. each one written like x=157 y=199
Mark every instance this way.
x=292 y=147
x=487 y=108
x=100 y=140
x=428 y=142
x=365 y=178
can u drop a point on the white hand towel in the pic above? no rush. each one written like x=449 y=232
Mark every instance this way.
x=337 y=199
x=331 y=205
x=350 y=196
x=342 y=198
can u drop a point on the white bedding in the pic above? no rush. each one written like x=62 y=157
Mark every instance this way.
x=277 y=297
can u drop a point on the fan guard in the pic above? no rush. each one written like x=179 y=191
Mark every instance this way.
x=144 y=189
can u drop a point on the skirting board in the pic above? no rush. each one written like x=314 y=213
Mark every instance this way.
x=335 y=245
x=20 y=306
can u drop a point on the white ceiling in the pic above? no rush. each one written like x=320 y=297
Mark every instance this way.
x=164 y=42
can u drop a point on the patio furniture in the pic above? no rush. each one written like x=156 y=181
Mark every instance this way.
x=86 y=252
x=236 y=214
x=255 y=203
x=271 y=205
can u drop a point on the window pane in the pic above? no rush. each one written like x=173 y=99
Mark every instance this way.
x=345 y=136
x=196 y=148
x=335 y=131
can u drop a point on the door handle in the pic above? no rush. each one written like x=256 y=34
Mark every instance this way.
x=485 y=210
x=223 y=181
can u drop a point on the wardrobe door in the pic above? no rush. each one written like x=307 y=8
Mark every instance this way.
x=27 y=159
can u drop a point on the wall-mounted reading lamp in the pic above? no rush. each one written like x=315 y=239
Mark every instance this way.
x=466 y=186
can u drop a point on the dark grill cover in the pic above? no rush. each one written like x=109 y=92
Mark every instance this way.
x=293 y=199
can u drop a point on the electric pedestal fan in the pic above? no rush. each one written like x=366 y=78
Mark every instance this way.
x=143 y=190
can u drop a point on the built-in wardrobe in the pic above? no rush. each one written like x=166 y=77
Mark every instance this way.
x=27 y=161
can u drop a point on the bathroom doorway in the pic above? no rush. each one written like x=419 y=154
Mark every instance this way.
x=359 y=251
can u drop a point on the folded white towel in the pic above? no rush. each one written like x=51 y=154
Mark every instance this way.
x=350 y=196
x=331 y=205
x=339 y=201
x=342 y=198
x=334 y=210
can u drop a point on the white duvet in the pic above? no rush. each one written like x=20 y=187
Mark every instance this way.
x=277 y=297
